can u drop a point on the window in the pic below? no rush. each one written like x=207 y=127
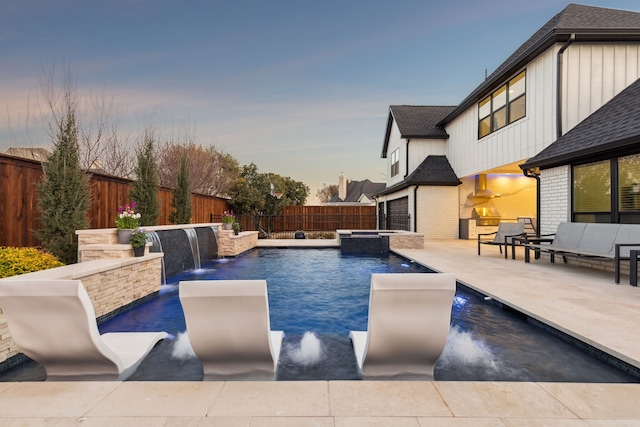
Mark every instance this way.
x=607 y=191
x=504 y=106
x=395 y=162
x=629 y=183
x=592 y=187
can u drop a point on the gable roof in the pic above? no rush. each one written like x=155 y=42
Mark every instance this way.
x=434 y=170
x=355 y=190
x=614 y=126
x=415 y=121
x=586 y=23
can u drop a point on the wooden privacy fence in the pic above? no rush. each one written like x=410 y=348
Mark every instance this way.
x=310 y=219
x=19 y=214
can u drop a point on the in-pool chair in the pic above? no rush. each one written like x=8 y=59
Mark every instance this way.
x=409 y=315
x=53 y=322
x=229 y=329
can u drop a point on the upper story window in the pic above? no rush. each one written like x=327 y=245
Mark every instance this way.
x=395 y=162
x=504 y=106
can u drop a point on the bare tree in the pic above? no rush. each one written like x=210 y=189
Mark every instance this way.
x=327 y=192
x=211 y=172
x=101 y=144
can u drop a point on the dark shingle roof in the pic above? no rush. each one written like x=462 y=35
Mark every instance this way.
x=415 y=121
x=615 y=125
x=355 y=189
x=434 y=170
x=587 y=23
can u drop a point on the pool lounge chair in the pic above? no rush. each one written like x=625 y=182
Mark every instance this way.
x=409 y=315
x=229 y=329
x=53 y=322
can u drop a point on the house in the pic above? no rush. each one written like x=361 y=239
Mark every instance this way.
x=556 y=114
x=355 y=193
x=33 y=153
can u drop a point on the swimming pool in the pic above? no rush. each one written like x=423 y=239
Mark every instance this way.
x=323 y=292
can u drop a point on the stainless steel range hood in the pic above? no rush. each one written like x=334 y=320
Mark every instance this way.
x=481 y=191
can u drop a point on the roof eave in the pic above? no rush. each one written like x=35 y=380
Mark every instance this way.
x=553 y=37
x=581 y=155
x=387 y=135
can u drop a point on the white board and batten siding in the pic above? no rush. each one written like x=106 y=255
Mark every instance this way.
x=515 y=142
x=593 y=74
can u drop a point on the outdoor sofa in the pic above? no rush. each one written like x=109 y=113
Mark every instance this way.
x=612 y=242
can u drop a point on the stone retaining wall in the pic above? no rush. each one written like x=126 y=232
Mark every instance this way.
x=406 y=240
x=231 y=245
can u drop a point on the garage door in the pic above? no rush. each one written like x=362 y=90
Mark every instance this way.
x=398 y=214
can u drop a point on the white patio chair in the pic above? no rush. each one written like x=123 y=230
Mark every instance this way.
x=229 y=329
x=53 y=322
x=409 y=315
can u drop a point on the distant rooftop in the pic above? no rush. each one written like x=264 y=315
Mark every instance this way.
x=32 y=153
x=416 y=121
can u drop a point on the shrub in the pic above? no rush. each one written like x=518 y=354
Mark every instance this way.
x=15 y=261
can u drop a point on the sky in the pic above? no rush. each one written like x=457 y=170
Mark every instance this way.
x=301 y=88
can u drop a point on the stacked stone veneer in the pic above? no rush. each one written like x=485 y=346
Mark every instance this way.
x=406 y=240
x=110 y=283
x=397 y=239
x=231 y=245
x=101 y=244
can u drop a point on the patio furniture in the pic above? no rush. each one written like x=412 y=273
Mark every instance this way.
x=611 y=242
x=53 y=322
x=229 y=329
x=409 y=315
x=502 y=237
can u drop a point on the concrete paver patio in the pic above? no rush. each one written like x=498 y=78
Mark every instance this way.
x=581 y=302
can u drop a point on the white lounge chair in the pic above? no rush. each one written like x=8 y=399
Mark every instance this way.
x=409 y=315
x=229 y=329
x=53 y=322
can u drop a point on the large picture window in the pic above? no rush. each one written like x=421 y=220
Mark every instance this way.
x=504 y=106
x=607 y=191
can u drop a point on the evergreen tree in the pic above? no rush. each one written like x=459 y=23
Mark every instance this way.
x=64 y=194
x=181 y=203
x=144 y=189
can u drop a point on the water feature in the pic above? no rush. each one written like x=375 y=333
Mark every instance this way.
x=156 y=246
x=318 y=296
x=201 y=241
x=193 y=244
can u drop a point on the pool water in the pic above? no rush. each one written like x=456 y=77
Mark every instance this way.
x=318 y=295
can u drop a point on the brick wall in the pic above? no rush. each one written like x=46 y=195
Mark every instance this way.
x=437 y=211
x=555 y=197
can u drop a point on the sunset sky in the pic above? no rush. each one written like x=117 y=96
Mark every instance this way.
x=301 y=88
